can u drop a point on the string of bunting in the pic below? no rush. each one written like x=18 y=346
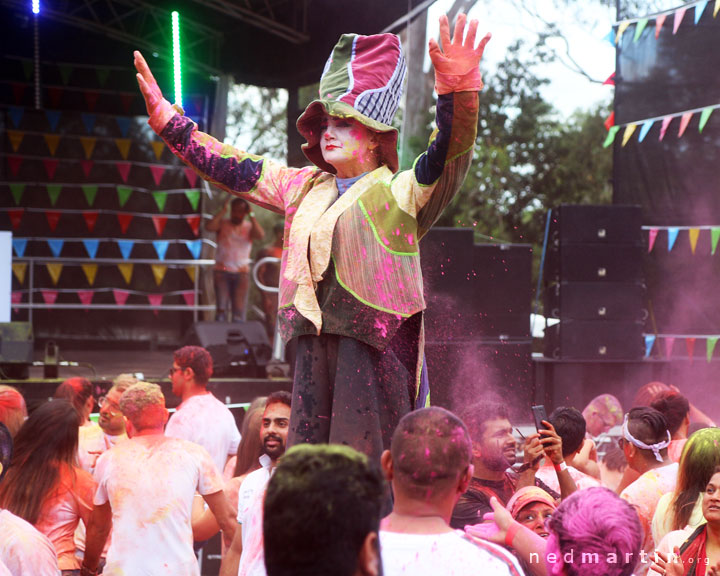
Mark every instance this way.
x=693 y=236
x=89 y=120
x=711 y=341
x=125 y=246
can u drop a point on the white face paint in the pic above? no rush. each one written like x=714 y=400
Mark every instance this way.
x=348 y=146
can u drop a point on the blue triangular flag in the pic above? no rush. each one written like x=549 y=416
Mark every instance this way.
x=161 y=247
x=55 y=246
x=672 y=236
x=19 y=244
x=649 y=342
x=195 y=246
x=645 y=129
x=699 y=9
x=124 y=125
x=126 y=247
x=16 y=114
x=92 y=247
x=53 y=117
x=610 y=37
x=89 y=121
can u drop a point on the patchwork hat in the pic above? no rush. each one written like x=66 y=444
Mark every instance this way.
x=363 y=79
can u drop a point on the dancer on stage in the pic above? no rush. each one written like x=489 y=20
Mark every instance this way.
x=351 y=289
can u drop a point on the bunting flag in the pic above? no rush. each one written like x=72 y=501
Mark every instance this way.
x=679 y=15
x=160 y=199
x=711 y=342
x=88 y=121
x=123 y=169
x=156 y=302
x=611 y=136
x=53 y=118
x=16 y=115
x=14 y=162
x=52 y=141
x=610 y=37
x=158 y=148
x=663 y=128
x=193 y=197
x=126 y=100
x=659 y=21
x=123 y=193
x=126 y=247
x=609 y=121
x=610 y=80
x=54 y=269
x=65 y=72
x=715 y=236
x=17 y=189
x=102 y=75
x=190 y=272
x=123 y=125
x=90 y=192
x=91 y=246
x=645 y=129
x=91 y=98
x=56 y=246
x=49 y=296
x=90 y=272
x=669 y=342
x=672 y=236
x=194 y=223
x=127 y=271
x=16 y=139
x=52 y=218
x=189 y=298
x=16 y=298
x=19 y=245
x=51 y=165
x=85 y=296
x=53 y=191
x=704 y=116
x=649 y=342
x=717 y=8
x=88 y=144
x=18 y=92
x=620 y=31
x=123 y=145
x=191 y=176
x=639 y=27
x=120 y=296
x=158 y=271
x=19 y=269
x=629 y=130
x=16 y=215
x=690 y=347
x=699 y=9
x=161 y=247
x=90 y=220
x=157 y=174
x=694 y=234
x=195 y=247
x=159 y=223
x=684 y=121
x=55 y=94
x=124 y=220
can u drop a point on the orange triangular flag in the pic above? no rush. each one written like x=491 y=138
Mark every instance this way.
x=159 y=272
x=123 y=145
x=88 y=144
x=659 y=24
x=52 y=141
x=16 y=139
x=19 y=269
x=684 y=121
x=90 y=272
x=694 y=233
x=158 y=148
x=54 y=269
x=690 y=345
x=127 y=271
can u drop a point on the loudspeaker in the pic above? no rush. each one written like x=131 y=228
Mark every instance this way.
x=587 y=223
x=596 y=263
x=240 y=348
x=590 y=340
x=595 y=301
x=16 y=349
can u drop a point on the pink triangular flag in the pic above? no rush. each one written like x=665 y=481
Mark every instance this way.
x=669 y=341
x=191 y=176
x=157 y=173
x=679 y=15
x=86 y=166
x=659 y=21
x=652 y=236
x=121 y=296
x=155 y=301
x=685 y=120
x=663 y=128
x=86 y=296
x=189 y=297
x=49 y=296
x=124 y=170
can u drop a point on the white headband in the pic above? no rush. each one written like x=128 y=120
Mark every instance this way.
x=654 y=447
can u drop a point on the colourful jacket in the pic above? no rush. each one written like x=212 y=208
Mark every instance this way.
x=351 y=264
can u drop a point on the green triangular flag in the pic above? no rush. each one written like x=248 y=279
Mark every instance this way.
x=17 y=191
x=90 y=192
x=639 y=27
x=65 y=71
x=102 y=75
x=715 y=236
x=611 y=136
x=193 y=197
x=711 y=347
x=28 y=69
x=123 y=194
x=160 y=199
x=704 y=118
x=53 y=191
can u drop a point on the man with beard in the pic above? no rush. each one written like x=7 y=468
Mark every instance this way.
x=245 y=555
x=235 y=236
x=494 y=455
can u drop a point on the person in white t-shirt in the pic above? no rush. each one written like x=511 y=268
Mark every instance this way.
x=24 y=550
x=430 y=465
x=201 y=418
x=145 y=492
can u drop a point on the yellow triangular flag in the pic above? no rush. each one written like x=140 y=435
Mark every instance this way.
x=190 y=272
x=88 y=144
x=16 y=139
x=629 y=129
x=126 y=270
x=54 y=269
x=694 y=233
x=19 y=269
x=123 y=145
x=90 y=272
x=159 y=272
x=158 y=147
x=52 y=141
x=621 y=28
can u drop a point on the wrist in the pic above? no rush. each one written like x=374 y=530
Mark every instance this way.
x=510 y=534
x=85 y=571
x=560 y=466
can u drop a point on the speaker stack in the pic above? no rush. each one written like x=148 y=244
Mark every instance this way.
x=595 y=284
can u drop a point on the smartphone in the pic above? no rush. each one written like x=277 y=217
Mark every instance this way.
x=539 y=415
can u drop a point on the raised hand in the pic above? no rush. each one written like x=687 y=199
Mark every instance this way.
x=457 y=64
x=148 y=86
